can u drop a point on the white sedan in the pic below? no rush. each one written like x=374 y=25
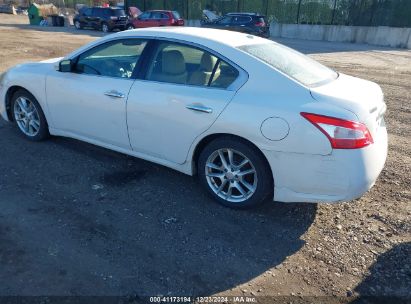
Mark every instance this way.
x=252 y=118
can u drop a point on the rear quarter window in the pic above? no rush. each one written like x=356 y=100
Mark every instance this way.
x=292 y=63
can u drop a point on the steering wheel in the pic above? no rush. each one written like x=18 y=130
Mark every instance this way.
x=116 y=68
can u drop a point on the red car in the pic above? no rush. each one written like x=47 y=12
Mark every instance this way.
x=156 y=18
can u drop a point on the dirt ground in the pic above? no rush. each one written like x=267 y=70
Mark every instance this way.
x=76 y=219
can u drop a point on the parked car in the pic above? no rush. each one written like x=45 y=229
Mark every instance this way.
x=250 y=23
x=101 y=18
x=156 y=18
x=252 y=118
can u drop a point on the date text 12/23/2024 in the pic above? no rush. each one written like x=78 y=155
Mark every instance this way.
x=211 y=299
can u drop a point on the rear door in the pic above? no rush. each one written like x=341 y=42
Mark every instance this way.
x=155 y=19
x=180 y=97
x=85 y=18
x=143 y=20
x=242 y=24
x=96 y=17
x=164 y=19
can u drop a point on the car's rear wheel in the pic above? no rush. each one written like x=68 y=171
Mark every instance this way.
x=77 y=25
x=29 y=116
x=235 y=173
x=105 y=28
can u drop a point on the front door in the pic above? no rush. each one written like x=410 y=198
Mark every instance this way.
x=90 y=101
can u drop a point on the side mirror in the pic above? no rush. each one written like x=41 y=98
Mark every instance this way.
x=65 y=66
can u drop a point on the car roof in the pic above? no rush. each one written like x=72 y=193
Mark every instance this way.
x=197 y=35
x=245 y=14
x=159 y=11
x=107 y=8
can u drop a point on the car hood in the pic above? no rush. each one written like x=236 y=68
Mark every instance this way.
x=39 y=67
x=52 y=60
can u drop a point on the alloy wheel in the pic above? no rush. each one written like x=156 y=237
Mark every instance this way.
x=26 y=116
x=231 y=175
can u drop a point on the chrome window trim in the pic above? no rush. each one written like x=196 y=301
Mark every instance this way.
x=242 y=78
x=236 y=85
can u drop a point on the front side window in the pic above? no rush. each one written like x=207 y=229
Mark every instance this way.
x=144 y=16
x=87 y=12
x=292 y=63
x=183 y=64
x=113 y=59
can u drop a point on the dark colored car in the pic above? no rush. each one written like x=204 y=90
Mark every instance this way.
x=156 y=18
x=101 y=18
x=250 y=23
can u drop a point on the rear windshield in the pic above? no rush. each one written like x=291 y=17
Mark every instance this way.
x=292 y=63
x=117 y=12
x=176 y=15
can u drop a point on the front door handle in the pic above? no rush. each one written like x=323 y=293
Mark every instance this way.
x=199 y=108
x=114 y=93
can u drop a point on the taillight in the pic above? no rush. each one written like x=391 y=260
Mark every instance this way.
x=261 y=24
x=342 y=134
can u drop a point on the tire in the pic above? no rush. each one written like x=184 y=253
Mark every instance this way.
x=253 y=177
x=129 y=27
x=105 y=28
x=77 y=25
x=31 y=122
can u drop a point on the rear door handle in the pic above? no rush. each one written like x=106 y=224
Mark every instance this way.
x=115 y=94
x=199 y=108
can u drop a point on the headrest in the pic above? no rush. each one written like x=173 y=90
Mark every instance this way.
x=208 y=62
x=173 y=62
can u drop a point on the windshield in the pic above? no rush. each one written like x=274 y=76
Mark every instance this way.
x=118 y=12
x=292 y=63
x=176 y=15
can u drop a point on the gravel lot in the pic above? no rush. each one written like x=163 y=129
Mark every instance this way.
x=76 y=219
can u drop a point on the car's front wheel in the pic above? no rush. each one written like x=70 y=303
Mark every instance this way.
x=235 y=173
x=130 y=27
x=29 y=116
x=105 y=28
x=77 y=25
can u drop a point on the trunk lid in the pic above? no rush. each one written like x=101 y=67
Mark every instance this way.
x=362 y=97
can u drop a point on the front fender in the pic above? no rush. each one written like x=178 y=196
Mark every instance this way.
x=31 y=77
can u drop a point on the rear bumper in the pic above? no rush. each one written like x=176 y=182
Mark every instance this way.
x=343 y=175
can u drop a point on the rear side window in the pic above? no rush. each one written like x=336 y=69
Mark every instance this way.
x=292 y=63
x=176 y=15
x=225 y=20
x=242 y=19
x=227 y=75
x=118 y=12
x=185 y=64
x=164 y=16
